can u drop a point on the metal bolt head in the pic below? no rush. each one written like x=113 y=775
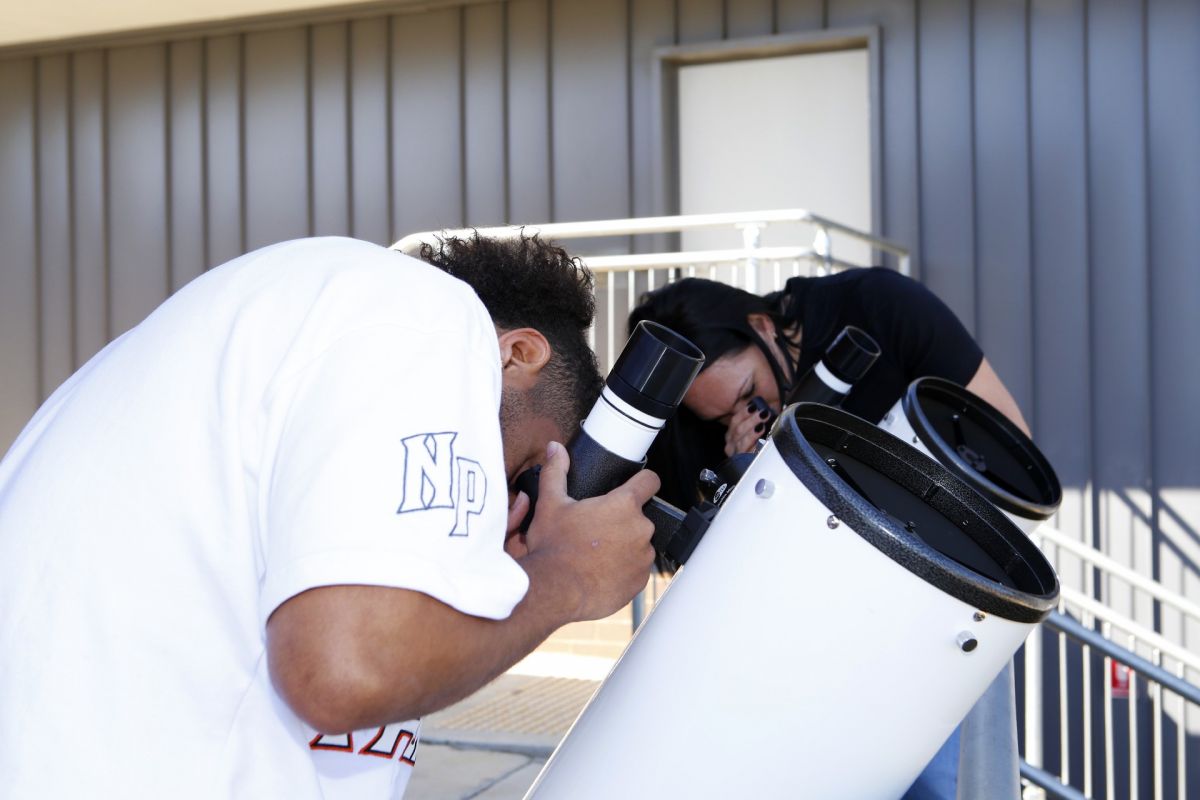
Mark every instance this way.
x=967 y=641
x=833 y=522
x=979 y=616
x=764 y=488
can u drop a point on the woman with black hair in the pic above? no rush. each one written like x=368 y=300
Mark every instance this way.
x=758 y=347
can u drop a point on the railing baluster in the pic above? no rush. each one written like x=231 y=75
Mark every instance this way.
x=1064 y=739
x=611 y=283
x=1133 y=726
x=1109 y=766
x=1089 y=760
x=1181 y=737
x=1156 y=698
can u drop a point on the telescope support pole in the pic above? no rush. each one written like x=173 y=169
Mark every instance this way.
x=988 y=762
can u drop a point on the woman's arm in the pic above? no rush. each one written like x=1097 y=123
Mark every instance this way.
x=987 y=385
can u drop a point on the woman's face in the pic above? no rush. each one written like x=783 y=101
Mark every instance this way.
x=724 y=389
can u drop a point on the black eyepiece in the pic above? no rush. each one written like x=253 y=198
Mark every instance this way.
x=655 y=369
x=851 y=354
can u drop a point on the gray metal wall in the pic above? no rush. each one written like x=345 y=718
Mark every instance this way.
x=1043 y=158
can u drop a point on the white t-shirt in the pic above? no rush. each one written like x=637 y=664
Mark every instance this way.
x=319 y=412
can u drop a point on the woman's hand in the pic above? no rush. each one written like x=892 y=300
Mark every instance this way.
x=748 y=424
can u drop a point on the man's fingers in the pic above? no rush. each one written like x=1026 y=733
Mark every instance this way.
x=642 y=486
x=517 y=512
x=553 y=479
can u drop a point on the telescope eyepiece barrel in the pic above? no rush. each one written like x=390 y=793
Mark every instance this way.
x=851 y=354
x=655 y=369
x=845 y=361
x=644 y=388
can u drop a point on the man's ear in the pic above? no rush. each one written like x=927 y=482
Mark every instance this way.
x=762 y=324
x=523 y=353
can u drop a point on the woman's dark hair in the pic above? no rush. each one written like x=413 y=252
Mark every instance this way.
x=525 y=282
x=716 y=318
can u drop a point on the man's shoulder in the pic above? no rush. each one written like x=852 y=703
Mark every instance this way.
x=365 y=279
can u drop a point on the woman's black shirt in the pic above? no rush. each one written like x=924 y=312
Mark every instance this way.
x=918 y=334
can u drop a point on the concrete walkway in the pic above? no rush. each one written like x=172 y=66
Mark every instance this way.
x=447 y=772
x=492 y=745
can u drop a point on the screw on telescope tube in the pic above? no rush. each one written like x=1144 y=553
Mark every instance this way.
x=979 y=616
x=764 y=488
x=967 y=641
x=833 y=522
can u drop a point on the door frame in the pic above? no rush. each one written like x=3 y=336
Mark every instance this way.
x=665 y=99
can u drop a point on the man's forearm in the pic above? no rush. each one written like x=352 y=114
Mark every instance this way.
x=353 y=657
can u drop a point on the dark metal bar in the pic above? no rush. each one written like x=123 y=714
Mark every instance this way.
x=1061 y=622
x=1054 y=788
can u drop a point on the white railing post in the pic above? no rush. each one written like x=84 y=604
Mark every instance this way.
x=1033 y=699
x=750 y=240
x=823 y=247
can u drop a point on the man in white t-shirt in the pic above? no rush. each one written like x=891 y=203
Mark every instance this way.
x=254 y=539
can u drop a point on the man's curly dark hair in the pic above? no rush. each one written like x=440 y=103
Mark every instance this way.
x=526 y=282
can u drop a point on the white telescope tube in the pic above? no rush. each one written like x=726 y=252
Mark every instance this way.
x=980 y=445
x=989 y=452
x=811 y=647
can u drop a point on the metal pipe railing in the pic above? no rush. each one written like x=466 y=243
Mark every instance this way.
x=679 y=224
x=1113 y=568
x=686 y=258
x=1054 y=788
x=1144 y=667
x=1140 y=633
x=1141 y=670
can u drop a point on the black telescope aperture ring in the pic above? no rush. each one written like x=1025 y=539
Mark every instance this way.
x=1006 y=432
x=655 y=369
x=1036 y=583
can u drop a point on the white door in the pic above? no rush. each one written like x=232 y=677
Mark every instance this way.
x=780 y=132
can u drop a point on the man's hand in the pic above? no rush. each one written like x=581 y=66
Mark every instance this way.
x=597 y=550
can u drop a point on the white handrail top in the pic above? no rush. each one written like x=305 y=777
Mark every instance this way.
x=1121 y=622
x=639 y=225
x=707 y=258
x=1124 y=573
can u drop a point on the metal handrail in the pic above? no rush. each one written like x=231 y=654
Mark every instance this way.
x=1114 y=568
x=1148 y=637
x=674 y=224
x=1055 y=788
x=1076 y=630
x=1147 y=670
x=685 y=258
